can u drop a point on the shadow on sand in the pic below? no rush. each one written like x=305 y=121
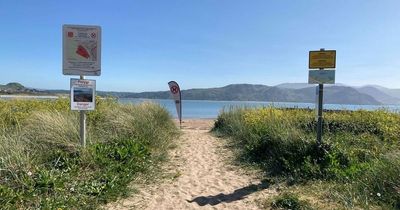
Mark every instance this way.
x=238 y=194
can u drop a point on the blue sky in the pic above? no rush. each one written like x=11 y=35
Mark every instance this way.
x=203 y=43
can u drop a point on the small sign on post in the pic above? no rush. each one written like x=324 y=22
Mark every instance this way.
x=320 y=60
x=83 y=94
x=321 y=77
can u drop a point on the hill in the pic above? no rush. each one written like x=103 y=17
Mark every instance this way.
x=248 y=92
x=287 y=92
x=391 y=92
x=294 y=85
x=383 y=95
x=16 y=88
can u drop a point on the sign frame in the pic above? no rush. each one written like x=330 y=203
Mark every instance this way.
x=83 y=94
x=321 y=63
x=81 y=50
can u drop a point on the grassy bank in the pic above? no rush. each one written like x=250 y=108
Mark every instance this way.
x=357 y=165
x=43 y=166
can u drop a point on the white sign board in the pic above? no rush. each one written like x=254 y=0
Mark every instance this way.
x=81 y=50
x=83 y=94
x=321 y=77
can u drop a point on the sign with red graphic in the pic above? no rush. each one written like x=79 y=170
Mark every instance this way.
x=174 y=89
x=176 y=94
x=81 y=50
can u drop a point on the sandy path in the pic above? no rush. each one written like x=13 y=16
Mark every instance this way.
x=204 y=179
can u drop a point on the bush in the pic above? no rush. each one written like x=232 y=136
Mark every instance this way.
x=290 y=201
x=353 y=152
x=378 y=183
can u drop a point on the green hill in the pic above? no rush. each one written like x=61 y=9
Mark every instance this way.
x=247 y=92
x=12 y=86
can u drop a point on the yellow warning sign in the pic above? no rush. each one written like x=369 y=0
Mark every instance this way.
x=322 y=59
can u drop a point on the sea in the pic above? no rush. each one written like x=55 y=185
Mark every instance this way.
x=202 y=109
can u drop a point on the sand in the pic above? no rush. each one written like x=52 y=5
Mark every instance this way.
x=205 y=177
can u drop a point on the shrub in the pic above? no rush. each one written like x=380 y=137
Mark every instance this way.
x=290 y=201
x=353 y=152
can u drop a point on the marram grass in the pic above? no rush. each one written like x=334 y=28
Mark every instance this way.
x=359 y=159
x=43 y=166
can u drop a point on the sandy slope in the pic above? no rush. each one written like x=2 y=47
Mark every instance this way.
x=204 y=179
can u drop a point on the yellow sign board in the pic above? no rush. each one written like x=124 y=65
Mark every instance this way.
x=322 y=59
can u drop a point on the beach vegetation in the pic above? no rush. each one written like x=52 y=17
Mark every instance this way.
x=43 y=165
x=358 y=160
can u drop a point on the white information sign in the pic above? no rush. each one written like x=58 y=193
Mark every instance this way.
x=321 y=77
x=81 y=50
x=83 y=94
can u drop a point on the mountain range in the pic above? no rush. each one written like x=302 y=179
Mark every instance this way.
x=286 y=92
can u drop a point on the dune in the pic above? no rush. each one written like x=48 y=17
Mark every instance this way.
x=205 y=177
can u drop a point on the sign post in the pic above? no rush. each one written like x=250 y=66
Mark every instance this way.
x=82 y=57
x=320 y=60
x=320 y=108
x=82 y=123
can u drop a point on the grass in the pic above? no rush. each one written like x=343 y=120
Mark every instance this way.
x=43 y=166
x=358 y=162
x=290 y=201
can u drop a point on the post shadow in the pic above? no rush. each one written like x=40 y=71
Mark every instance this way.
x=238 y=194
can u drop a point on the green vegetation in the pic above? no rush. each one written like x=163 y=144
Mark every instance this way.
x=358 y=164
x=14 y=85
x=43 y=166
x=290 y=201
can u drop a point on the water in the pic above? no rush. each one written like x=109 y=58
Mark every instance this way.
x=202 y=109
x=195 y=109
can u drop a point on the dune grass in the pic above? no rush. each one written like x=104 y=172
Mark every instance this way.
x=357 y=165
x=43 y=166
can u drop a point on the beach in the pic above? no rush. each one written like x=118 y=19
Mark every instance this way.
x=205 y=177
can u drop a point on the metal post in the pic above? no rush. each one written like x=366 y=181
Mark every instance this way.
x=180 y=109
x=82 y=120
x=319 y=125
x=320 y=108
x=180 y=118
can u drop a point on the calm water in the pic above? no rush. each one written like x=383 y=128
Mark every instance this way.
x=211 y=109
